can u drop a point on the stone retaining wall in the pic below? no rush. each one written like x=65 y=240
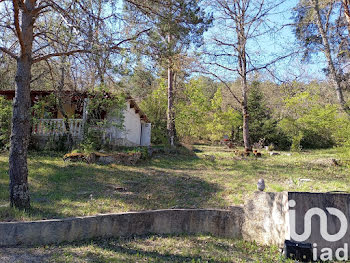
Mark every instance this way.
x=266 y=218
x=225 y=223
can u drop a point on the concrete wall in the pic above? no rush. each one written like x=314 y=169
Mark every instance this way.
x=225 y=223
x=132 y=125
x=266 y=218
x=146 y=134
x=132 y=134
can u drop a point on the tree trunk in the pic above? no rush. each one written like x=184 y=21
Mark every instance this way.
x=346 y=5
x=20 y=133
x=327 y=52
x=246 y=135
x=171 y=115
x=242 y=63
x=19 y=191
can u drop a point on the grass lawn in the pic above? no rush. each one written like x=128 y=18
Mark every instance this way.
x=61 y=189
x=148 y=249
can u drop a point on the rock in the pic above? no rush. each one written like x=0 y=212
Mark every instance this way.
x=274 y=153
x=117 y=188
x=210 y=157
x=105 y=160
x=266 y=218
x=261 y=184
x=335 y=162
x=118 y=158
x=74 y=157
x=326 y=162
x=304 y=180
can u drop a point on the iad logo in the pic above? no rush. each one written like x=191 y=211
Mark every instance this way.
x=326 y=253
x=323 y=223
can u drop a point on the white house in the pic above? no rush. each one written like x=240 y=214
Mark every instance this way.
x=136 y=129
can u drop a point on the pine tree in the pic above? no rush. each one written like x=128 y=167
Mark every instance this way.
x=174 y=25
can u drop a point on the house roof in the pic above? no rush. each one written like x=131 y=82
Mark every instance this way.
x=134 y=105
x=10 y=94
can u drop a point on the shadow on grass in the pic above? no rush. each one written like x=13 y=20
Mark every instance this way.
x=165 y=248
x=168 y=181
x=61 y=190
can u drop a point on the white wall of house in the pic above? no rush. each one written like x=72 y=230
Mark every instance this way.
x=135 y=132
x=132 y=125
x=146 y=134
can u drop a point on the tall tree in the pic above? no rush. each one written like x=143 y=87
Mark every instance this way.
x=346 y=6
x=233 y=50
x=176 y=24
x=321 y=29
x=29 y=22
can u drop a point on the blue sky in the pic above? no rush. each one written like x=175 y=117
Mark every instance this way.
x=269 y=46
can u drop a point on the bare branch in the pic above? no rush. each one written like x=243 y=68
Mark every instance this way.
x=129 y=39
x=17 y=26
x=274 y=61
x=40 y=9
x=59 y=54
x=86 y=51
x=203 y=71
x=8 y=52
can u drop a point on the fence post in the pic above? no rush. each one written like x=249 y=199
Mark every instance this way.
x=85 y=114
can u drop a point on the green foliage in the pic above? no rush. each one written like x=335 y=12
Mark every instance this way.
x=296 y=142
x=155 y=107
x=192 y=113
x=102 y=104
x=57 y=143
x=262 y=126
x=44 y=107
x=184 y=20
x=104 y=111
x=5 y=122
x=92 y=140
x=307 y=32
x=312 y=125
x=222 y=122
x=202 y=117
x=139 y=82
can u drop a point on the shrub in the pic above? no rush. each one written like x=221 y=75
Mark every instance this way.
x=105 y=110
x=311 y=125
x=155 y=107
x=5 y=122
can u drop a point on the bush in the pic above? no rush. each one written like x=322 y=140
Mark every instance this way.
x=105 y=110
x=312 y=126
x=5 y=123
x=92 y=140
x=155 y=107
